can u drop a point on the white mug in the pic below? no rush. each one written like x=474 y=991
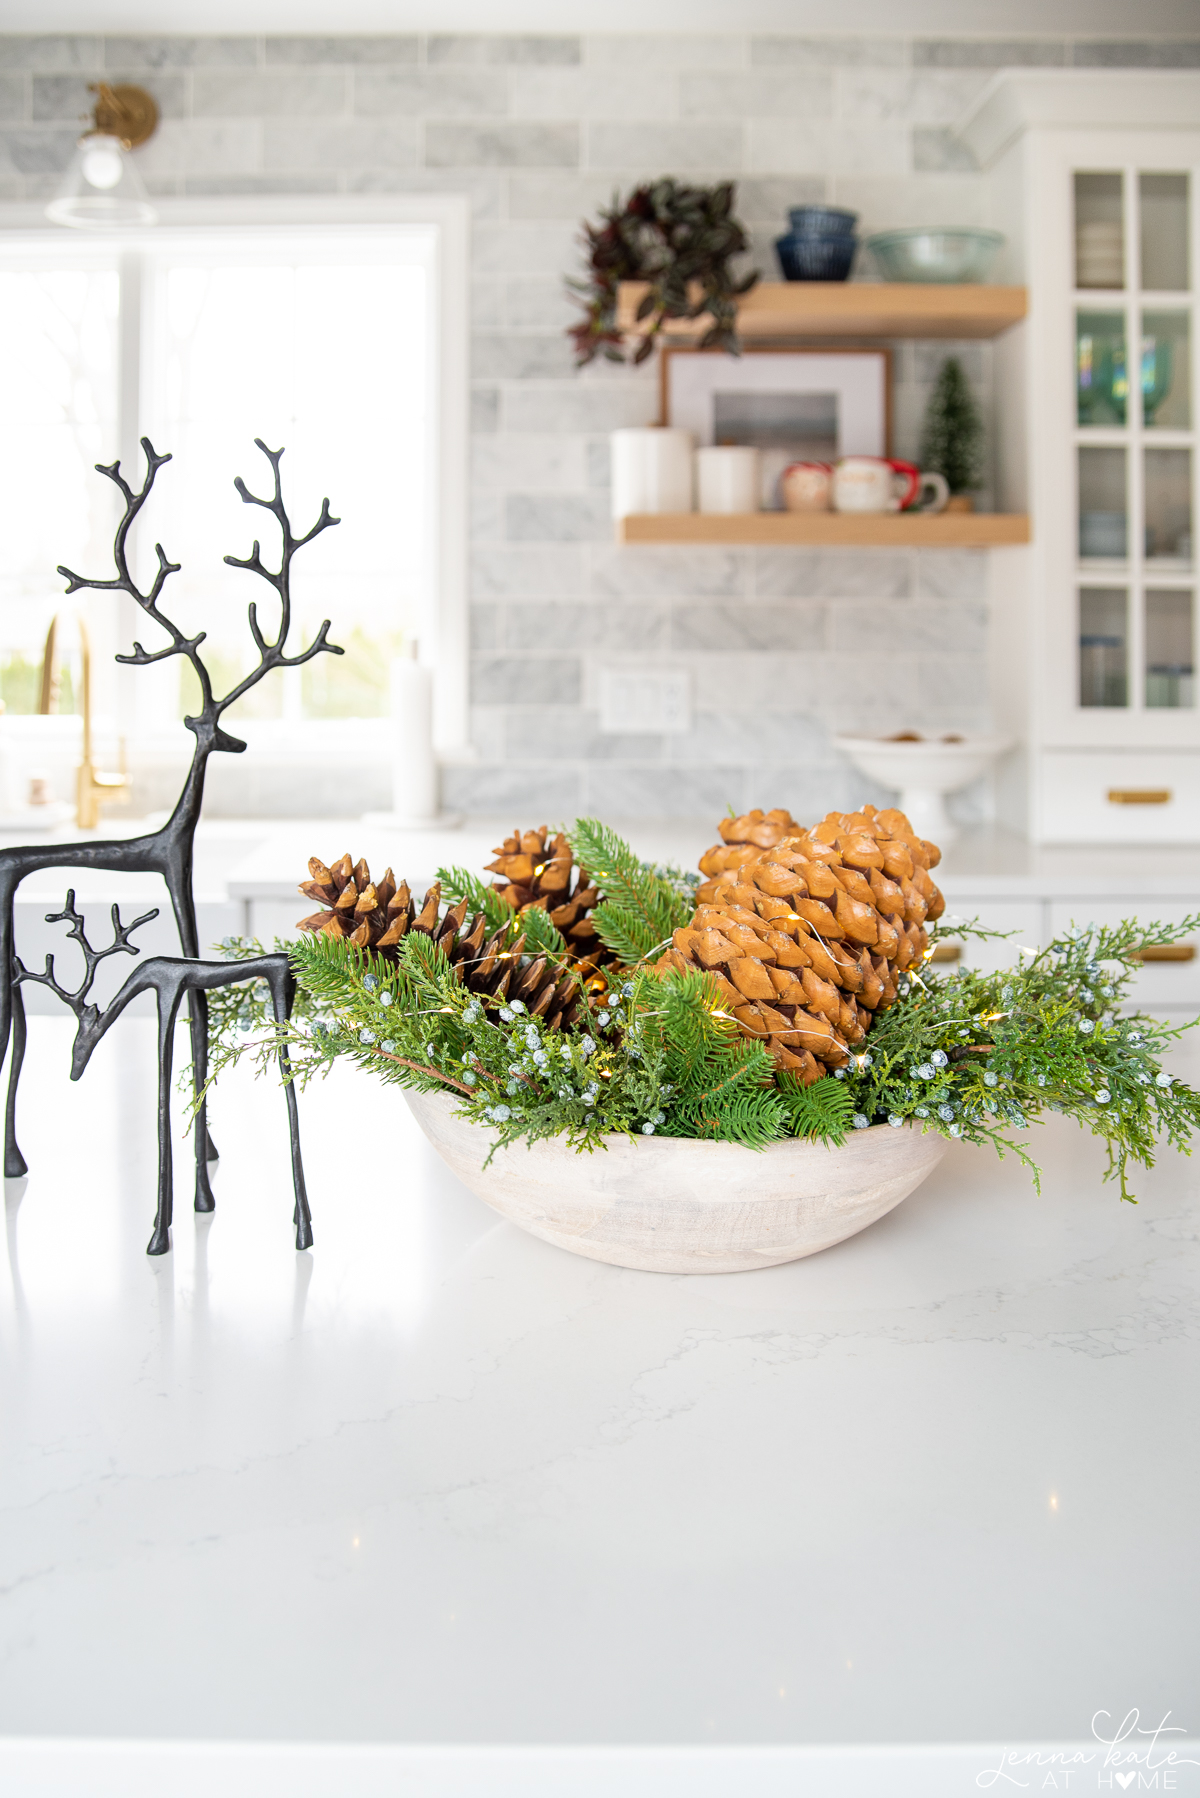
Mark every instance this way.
x=874 y=484
x=651 y=470
x=727 y=478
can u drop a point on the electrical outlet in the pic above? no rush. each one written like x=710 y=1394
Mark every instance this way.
x=634 y=702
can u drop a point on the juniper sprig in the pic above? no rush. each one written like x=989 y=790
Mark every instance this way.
x=978 y=1056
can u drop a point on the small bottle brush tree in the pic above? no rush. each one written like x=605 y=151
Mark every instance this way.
x=952 y=434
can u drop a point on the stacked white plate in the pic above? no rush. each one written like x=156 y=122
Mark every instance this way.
x=1099 y=253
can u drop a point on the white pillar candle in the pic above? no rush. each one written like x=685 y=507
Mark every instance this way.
x=651 y=470
x=728 y=477
x=414 y=768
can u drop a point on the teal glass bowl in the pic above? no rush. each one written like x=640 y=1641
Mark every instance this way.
x=935 y=254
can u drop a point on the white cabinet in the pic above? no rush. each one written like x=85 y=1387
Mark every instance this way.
x=1094 y=177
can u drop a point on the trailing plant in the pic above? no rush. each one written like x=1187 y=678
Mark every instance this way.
x=677 y=238
x=974 y=1056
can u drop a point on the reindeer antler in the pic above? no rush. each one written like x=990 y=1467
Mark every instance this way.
x=273 y=655
x=206 y=726
x=180 y=645
x=77 y=1000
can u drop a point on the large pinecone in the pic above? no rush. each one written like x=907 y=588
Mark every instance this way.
x=742 y=841
x=807 y=939
x=535 y=869
x=375 y=915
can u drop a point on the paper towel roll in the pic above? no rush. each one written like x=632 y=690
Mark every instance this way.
x=414 y=768
x=651 y=470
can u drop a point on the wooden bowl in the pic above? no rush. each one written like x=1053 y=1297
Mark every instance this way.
x=674 y=1206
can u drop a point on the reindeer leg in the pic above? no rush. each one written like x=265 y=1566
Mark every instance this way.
x=168 y=1011
x=206 y=1148
x=14 y=1162
x=179 y=885
x=283 y=991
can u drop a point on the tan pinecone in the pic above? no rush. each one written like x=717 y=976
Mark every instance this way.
x=807 y=939
x=536 y=869
x=376 y=915
x=742 y=840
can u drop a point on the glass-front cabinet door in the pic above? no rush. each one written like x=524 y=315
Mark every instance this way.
x=1135 y=450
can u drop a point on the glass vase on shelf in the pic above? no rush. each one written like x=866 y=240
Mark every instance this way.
x=1101 y=381
x=1166 y=371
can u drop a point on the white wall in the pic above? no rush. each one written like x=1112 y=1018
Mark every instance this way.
x=783 y=647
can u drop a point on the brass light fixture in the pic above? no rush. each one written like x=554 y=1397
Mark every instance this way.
x=102 y=187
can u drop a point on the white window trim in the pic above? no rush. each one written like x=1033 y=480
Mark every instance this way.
x=450 y=213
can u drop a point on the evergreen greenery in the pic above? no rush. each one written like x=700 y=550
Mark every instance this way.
x=974 y=1056
x=641 y=904
x=541 y=936
x=952 y=434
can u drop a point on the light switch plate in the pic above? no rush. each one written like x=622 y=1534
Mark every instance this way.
x=636 y=701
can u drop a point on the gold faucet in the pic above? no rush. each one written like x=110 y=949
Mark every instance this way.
x=92 y=788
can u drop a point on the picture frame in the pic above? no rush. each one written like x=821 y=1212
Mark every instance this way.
x=792 y=405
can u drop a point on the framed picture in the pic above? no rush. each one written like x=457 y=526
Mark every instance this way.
x=793 y=405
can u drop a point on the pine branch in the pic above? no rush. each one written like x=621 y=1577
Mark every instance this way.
x=821 y=1112
x=720 y=1084
x=640 y=908
x=458 y=883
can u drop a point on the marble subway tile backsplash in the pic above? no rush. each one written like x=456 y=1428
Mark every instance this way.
x=781 y=648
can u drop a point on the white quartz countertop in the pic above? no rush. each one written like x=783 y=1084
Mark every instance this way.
x=436 y=1482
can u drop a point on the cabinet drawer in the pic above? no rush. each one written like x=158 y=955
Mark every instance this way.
x=1160 y=983
x=1120 y=796
x=1024 y=916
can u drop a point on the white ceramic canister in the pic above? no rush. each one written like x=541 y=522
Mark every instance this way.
x=651 y=470
x=727 y=478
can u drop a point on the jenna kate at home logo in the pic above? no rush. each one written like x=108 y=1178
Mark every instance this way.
x=1126 y=1758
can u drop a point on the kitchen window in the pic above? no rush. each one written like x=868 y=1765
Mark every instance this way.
x=336 y=338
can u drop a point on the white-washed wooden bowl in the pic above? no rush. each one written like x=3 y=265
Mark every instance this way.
x=674 y=1206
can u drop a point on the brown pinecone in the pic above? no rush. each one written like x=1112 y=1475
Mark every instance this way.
x=535 y=871
x=807 y=939
x=376 y=915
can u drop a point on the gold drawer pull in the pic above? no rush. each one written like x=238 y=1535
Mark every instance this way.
x=1139 y=795
x=1167 y=952
x=947 y=952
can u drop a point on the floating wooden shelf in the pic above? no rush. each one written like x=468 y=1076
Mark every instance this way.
x=888 y=530
x=851 y=309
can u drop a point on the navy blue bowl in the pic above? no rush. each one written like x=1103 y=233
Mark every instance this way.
x=815 y=258
x=822 y=221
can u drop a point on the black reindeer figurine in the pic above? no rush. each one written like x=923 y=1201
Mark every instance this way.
x=168 y=851
x=169 y=978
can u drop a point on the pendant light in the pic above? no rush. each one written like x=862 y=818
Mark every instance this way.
x=102 y=186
